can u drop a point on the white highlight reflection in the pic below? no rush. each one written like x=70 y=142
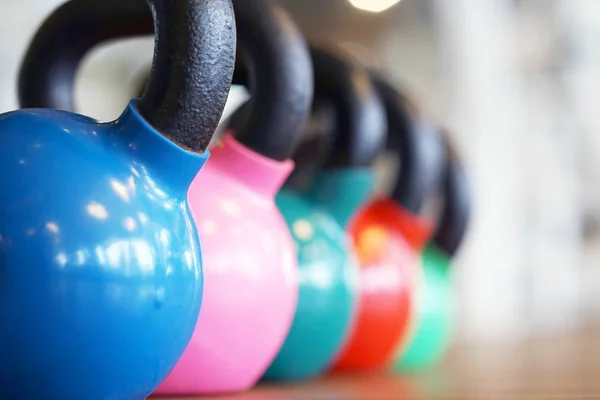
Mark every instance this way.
x=61 y=259
x=318 y=275
x=230 y=207
x=52 y=227
x=120 y=190
x=303 y=230
x=129 y=224
x=143 y=218
x=97 y=211
x=374 y=6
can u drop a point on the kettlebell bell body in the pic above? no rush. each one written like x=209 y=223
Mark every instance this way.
x=251 y=280
x=100 y=260
x=328 y=271
x=317 y=213
x=251 y=277
x=250 y=264
x=327 y=294
x=389 y=234
x=435 y=306
x=388 y=265
x=98 y=250
x=434 y=314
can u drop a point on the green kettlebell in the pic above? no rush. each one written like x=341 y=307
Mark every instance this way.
x=435 y=314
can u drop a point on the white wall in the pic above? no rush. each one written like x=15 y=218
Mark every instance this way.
x=578 y=22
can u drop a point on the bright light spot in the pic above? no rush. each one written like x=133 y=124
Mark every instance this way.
x=208 y=227
x=317 y=275
x=164 y=237
x=22 y=161
x=131 y=184
x=52 y=227
x=97 y=211
x=135 y=172
x=80 y=257
x=373 y=6
x=303 y=230
x=143 y=169
x=383 y=278
x=151 y=185
x=30 y=232
x=129 y=224
x=372 y=242
x=144 y=256
x=61 y=259
x=143 y=218
x=120 y=190
x=118 y=254
x=189 y=258
x=159 y=192
x=231 y=208
x=100 y=255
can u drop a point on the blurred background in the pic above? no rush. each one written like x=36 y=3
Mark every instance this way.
x=516 y=83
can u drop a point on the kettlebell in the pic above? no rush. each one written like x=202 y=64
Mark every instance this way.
x=251 y=274
x=250 y=267
x=100 y=262
x=318 y=205
x=389 y=235
x=435 y=306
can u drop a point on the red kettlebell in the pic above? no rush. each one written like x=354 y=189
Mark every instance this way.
x=388 y=235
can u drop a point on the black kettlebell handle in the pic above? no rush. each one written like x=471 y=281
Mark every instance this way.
x=456 y=213
x=421 y=149
x=47 y=75
x=276 y=59
x=191 y=71
x=360 y=123
x=274 y=63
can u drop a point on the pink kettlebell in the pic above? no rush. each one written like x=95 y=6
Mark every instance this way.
x=250 y=266
x=250 y=274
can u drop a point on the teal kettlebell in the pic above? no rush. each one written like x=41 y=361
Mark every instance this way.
x=317 y=203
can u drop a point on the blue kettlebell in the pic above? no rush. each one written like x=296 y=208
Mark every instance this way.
x=247 y=283
x=100 y=263
x=317 y=202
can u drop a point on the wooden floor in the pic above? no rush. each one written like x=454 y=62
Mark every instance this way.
x=553 y=368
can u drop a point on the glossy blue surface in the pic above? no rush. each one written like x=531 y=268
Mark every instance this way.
x=100 y=264
x=328 y=274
